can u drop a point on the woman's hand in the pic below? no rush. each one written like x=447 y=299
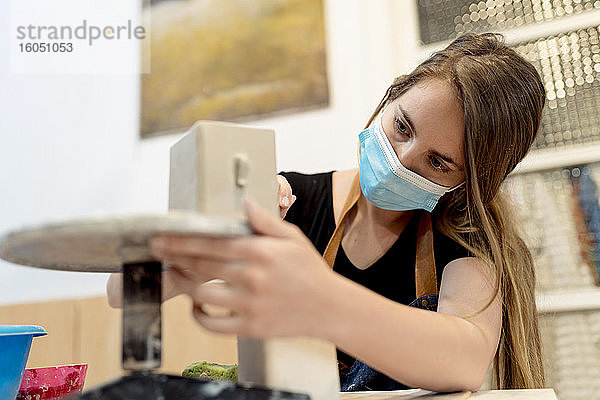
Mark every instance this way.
x=284 y=195
x=276 y=283
x=114 y=284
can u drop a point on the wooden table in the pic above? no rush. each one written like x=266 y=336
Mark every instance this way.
x=538 y=394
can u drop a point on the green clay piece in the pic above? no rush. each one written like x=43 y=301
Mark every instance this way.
x=206 y=370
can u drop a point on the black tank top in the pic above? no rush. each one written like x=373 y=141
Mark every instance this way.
x=393 y=275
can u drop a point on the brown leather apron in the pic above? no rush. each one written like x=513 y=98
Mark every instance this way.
x=360 y=376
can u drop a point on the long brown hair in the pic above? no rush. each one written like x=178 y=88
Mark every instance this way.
x=502 y=99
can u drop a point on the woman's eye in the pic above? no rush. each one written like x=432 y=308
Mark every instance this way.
x=400 y=127
x=437 y=164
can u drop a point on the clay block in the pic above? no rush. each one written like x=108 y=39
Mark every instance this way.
x=216 y=163
x=212 y=166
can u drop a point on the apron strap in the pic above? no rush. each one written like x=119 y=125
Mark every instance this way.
x=334 y=243
x=425 y=271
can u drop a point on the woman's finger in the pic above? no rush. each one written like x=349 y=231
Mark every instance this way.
x=231 y=324
x=206 y=268
x=284 y=192
x=182 y=280
x=230 y=249
x=218 y=294
x=284 y=210
x=171 y=267
x=285 y=196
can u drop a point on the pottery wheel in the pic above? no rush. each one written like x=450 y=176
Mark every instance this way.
x=105 y=243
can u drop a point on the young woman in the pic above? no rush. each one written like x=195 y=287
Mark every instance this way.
x=424 y=210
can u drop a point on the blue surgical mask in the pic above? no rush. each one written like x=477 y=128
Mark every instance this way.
x=386 y=183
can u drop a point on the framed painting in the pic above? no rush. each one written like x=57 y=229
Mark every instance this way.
x=232 y=60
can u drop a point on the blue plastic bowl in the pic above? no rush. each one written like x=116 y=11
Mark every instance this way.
x=15 y=342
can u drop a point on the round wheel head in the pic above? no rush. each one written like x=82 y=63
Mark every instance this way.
x=105 y=243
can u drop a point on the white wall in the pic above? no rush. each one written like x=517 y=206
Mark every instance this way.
x=69 y=143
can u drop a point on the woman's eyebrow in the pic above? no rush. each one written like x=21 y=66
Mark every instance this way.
x=444 y=157
x=407 y=118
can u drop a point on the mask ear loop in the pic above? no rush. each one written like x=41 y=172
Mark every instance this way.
x=385 y=108
x=456 y=186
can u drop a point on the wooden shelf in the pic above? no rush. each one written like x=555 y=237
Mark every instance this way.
x=568 y=301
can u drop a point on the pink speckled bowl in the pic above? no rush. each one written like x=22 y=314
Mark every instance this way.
x=52 y=382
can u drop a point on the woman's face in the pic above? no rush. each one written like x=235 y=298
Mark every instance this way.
x=425 y=126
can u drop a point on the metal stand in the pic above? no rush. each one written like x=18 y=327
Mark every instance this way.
x=142 y=288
